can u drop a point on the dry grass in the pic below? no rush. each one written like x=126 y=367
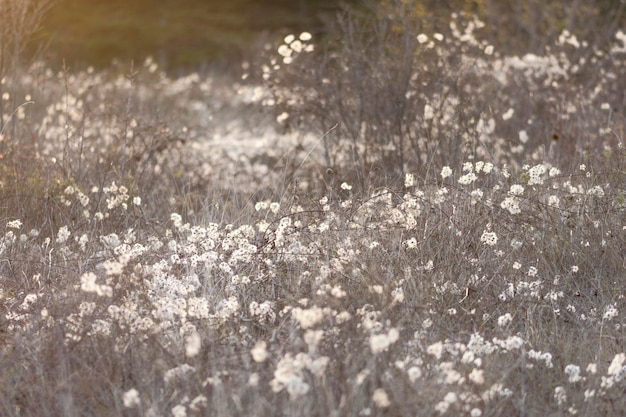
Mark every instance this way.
x=165 y=250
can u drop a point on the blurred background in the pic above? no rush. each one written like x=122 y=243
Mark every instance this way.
x=189 y=34
x=178 y=34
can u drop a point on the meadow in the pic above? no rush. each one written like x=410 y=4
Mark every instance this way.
x=431 y=228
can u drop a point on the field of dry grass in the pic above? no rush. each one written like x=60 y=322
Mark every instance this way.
x=274 y=242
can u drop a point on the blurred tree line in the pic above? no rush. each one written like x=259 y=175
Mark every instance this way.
x=188 y=33
x=178 y=33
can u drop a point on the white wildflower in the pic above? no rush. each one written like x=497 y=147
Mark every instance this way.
x=504 y=320
x=380 y=398
x=410 y=243
x=477 y=376
x=179 y=411
x=511 y=204
x=489 y=238
x=14 y=224
x=516 y=189
x=446 y=172
x=409 y=180
x=523 y=136
x=559 y=395
x=308 y=318
x=468 y=178
x=414 y=373
x=380 y=342
x=63 y=234
x=131 y=398
x=193 y=344
x=573 y=373
x=259 y=351
x=610 y=312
